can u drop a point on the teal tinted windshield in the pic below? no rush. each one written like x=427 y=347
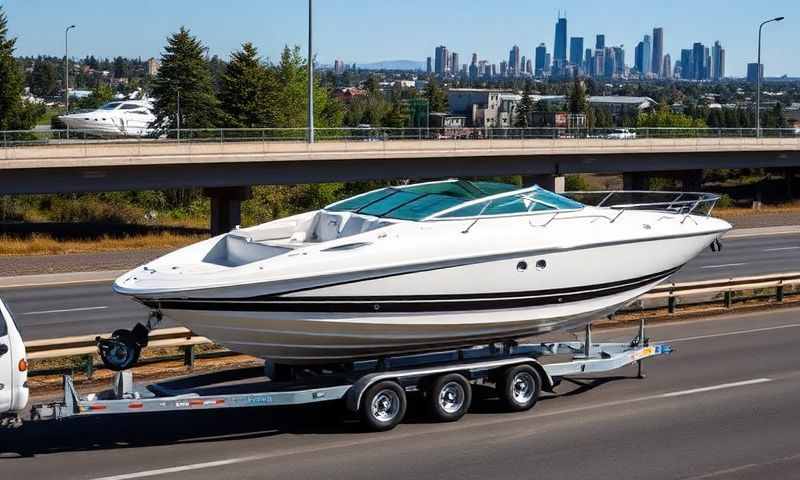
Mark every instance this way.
x=514 y=203
x=421 y=201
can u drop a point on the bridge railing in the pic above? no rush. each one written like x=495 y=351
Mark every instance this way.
x=18 y=138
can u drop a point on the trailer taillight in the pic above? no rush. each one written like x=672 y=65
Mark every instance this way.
x=23 y=365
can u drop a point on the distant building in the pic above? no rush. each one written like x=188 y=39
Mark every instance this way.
x=600 y=42
x=441 y=59
x=429 y=68
x=152 y=66
x=529 y=67
x=666 y=66
x=699 y=61
x=560 y=44
x=338 y=67
x=539 y=59
x=480 y=106
x=687 y=64
x=347 y=94
x=454 y=63
x=658 y=51
x=754 y=70
x=576 y=51
x=718 y=61
x=512 y=68
x=647 y=55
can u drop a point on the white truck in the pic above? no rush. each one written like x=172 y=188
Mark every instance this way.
x=374 y=389
x=13 y=370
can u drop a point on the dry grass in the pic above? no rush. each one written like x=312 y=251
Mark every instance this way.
x=46 y=245
x=784 y=208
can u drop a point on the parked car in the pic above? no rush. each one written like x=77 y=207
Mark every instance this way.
x=621 y=134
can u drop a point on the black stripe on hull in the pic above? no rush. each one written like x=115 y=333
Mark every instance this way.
x=411 y=304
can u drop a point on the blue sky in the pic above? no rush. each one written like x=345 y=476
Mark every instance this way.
x=370 y=30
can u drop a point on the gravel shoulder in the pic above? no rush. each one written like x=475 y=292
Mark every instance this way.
x=78 y=262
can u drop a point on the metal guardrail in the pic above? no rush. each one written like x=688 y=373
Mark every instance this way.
x=18 y=138
x=182 y=338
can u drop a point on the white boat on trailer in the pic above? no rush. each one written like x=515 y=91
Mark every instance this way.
x=415 y=268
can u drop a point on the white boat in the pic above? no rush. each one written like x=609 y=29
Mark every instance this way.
x=120 y=118
x=420 y=267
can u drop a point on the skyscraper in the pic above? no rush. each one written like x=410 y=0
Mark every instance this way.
x=529 y=67
x=599 y=63
x=576 y=51
x=560 y=45
x=666 y=67
x=430 y=65
x=647 y=56
x=454 y=63
x=513 y=61
x=473 y=67
x=503 y=68
x=638 y=58
x=522 y=64
x=754 y=70
x=687 y=64
x=441 y=60
x=539 y=58
x=717 y=61
x=600 y=42
x=338 y=67
x=658 y=51
x=587 y=61
x=698 y=61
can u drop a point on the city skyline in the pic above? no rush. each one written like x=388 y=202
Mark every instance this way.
x=38 y=24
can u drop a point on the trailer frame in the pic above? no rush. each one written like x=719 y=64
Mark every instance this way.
x=479 y=364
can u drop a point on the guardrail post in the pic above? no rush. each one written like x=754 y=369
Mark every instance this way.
x=188 y=356
x=779 y=293
x=89 y=365
x=672 y=303
x=728 y=299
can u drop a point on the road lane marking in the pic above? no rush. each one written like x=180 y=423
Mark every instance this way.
x=444 y=429
x=721 y=386
x=735 y=332
x=66 y=310
x=780 y=249
x=724 y=265
x=749 y=466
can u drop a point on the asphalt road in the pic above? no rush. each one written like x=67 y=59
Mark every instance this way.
x=723 y=406
x=87 y=309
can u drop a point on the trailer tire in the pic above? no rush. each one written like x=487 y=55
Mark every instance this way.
x=383 y=406
x=449 y=397
x=519 y=387
x=121 y=351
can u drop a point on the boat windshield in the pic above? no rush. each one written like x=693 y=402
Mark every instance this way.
x=111 y=106
x=451 y=200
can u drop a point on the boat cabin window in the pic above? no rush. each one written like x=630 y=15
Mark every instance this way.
x=129 y=106
x=110 y=106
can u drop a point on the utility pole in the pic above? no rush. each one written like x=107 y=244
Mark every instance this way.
x=758 y=76
x=66 y=72
x=310 y=73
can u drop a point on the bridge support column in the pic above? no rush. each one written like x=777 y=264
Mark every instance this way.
x=635 y=181
x=226 y=207
x=692 y=180
x=554 y=183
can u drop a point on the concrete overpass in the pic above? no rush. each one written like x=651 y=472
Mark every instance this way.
x=225 y=170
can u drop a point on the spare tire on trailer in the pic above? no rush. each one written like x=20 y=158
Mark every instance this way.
x=383 y=406
x=518 y=387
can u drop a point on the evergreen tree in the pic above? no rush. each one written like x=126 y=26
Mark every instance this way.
x=436 y=97
x=524 y=107
x=397 y=116
x=183 y=69
x=15 y=114
x=577 y=98
x=291 y=77
x=247 y=90
x=44 y=79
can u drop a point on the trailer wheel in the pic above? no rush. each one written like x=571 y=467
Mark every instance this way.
x=449 y=397
x=383 y=406
x=519 y=387
x=120 y=352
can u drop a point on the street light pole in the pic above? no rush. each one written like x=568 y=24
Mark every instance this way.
x=66 y=67
x=310 y=74
x=758 y=75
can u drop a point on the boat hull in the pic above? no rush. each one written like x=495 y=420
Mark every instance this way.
x=432 y=308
